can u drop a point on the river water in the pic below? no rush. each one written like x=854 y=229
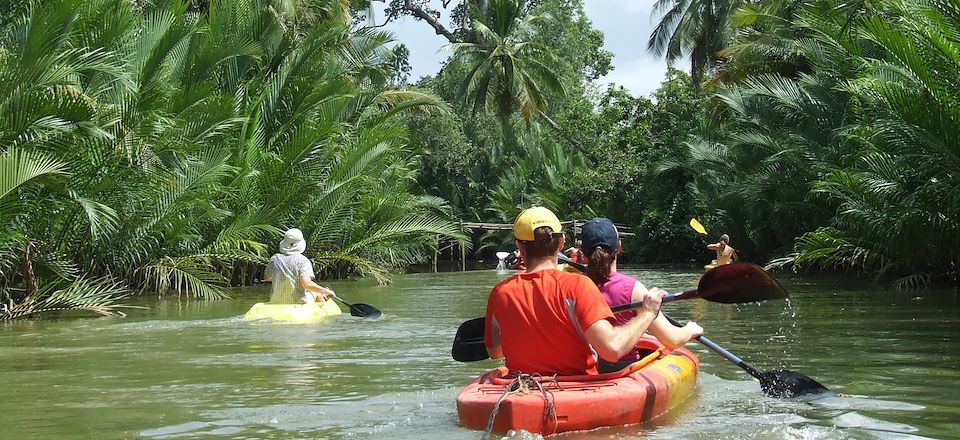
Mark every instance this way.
x=195 y=369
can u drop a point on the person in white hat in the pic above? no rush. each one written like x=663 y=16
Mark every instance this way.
x=292 y=273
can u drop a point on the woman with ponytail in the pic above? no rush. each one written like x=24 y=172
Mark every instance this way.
x=601 y=246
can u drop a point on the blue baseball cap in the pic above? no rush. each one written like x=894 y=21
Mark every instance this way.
x=599 y=231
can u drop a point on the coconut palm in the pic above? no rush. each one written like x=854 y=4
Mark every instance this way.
x=785 y=134
x=506 y=72
x=700 y=28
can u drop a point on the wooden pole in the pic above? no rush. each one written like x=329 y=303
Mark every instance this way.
x=463 y=252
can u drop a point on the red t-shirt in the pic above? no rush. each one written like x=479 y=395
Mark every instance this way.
x=542 y=317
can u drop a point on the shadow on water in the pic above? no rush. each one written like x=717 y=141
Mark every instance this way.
x=191 y=369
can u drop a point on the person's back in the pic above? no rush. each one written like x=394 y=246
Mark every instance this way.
x=618 y=289
x=542 y=317
x=726 y=254
x=291 y=273
x=286 y=270
x=548 y=321
x=602 y=244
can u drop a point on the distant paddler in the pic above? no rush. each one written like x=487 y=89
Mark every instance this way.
x=726 y=254
x=291 y=273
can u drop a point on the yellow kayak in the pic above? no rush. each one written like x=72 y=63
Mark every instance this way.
x=712 y=264
x=307 y=313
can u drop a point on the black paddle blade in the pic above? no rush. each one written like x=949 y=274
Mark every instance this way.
x=738 y=283
x=365 y=311
x=468 y=344
x=786 y=383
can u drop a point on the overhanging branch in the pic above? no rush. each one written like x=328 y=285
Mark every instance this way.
x=440 y=29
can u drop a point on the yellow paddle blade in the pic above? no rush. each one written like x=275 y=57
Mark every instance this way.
x=697 y=226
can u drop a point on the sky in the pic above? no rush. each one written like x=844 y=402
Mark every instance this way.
x=626 y=25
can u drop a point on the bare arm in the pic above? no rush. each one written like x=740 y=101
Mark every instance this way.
x=610 y=342
x=268 y=272
x=713 y=246
x=668 y=334
x=308 y=284
x=672 y=336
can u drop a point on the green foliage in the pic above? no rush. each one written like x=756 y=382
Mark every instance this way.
x=698 y=27
x=166 y=148
x=838 y=139
x=505 y=72
x=504 y=76
x=99 y=296
x=641 y=135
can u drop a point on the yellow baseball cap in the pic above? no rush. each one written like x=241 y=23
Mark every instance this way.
x=531 y=219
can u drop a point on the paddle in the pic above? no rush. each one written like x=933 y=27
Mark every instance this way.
x=697 y=226
x=742 y=283
x=728 y=284
x=775 y=383
x=361 y=310
x=578 y=266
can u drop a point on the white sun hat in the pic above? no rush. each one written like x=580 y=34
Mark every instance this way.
x=293 y=242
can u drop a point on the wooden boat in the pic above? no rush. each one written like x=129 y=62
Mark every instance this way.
x=306 y=313
x=551 y=404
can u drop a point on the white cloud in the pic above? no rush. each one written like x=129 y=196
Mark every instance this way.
x=640 y=76
x=629 y=6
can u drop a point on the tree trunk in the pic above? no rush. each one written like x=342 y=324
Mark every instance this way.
x=28 y=278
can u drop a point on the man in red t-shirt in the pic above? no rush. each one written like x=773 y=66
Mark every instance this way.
x=548 y=321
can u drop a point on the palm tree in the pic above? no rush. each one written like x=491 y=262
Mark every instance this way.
x=905 y=190
x=842 y=145
x=698 y=27
x=506 y=72
x=155 y=148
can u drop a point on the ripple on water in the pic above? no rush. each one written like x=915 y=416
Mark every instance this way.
x=407 y=415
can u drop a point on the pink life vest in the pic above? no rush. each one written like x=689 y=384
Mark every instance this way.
x=618 y=290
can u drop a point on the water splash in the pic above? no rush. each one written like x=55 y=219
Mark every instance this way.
x=502 y=265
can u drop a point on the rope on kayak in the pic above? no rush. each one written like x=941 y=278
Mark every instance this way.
x=523 y=384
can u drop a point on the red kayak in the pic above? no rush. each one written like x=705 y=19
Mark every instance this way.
x=547 y=405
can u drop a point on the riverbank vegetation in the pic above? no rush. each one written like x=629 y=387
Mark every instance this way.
x=818 y=134
x=163 y=146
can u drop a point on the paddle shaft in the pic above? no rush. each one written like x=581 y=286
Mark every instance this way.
x=360 y=310
x=469 y=338
x=686 y=294
x=337 y=299
x=721 y=351
x=578 y=266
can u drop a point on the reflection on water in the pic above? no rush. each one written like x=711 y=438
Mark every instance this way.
x=188 y=369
